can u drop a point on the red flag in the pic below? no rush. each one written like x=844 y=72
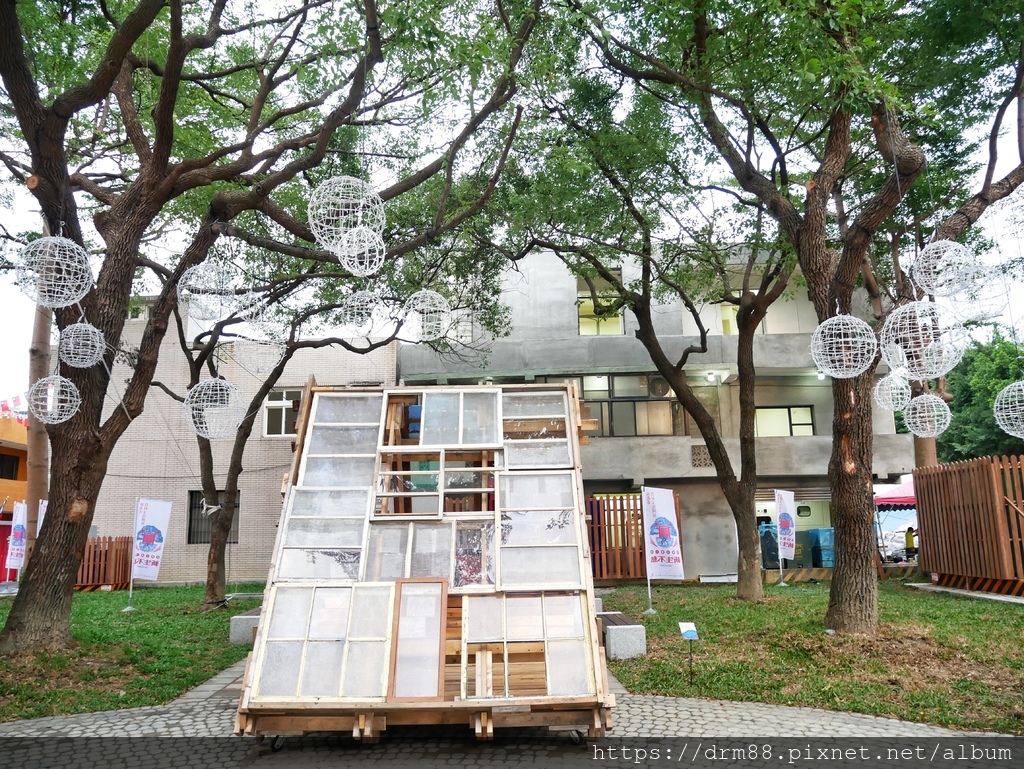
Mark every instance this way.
x=4 y=407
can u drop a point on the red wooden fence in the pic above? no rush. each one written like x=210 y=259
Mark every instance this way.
x=616 y=527
x=106 y=561
x=971 y=523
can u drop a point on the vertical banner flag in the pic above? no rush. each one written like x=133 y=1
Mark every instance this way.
x=664 y=556
x=152 y=517
x=19 y=537
x=42 y=514
x=785 y=513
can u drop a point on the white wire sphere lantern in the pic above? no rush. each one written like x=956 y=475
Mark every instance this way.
x=214 y=409
x=361 y=251
x=258 y=356
x=984 y=294
x=923 y=340
x=358 y=310
x=341 y=204
x=942 y=268
x=81 y=345
x=53 y=272
x=54 y=399
x=892 y=393
x=208 y=290
x=433 y=311
x=1008 y=409
x=843 y=346
x=927 y=415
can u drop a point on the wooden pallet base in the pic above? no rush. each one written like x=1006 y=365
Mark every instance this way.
x=983 y=584
x=897 y=570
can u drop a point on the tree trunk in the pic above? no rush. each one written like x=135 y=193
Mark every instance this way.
x=853 y=599
x=220 y=531
x=38 y=441
x=925 y=452
x=749 y=579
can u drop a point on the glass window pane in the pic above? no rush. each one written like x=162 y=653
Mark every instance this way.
x=567 y=668
x=339 y=471
x=803 y=430
x=480 y=418
x=431 y=550
x=532 y=405
x=386 y=551
x=563 y=616
x=595 y=387
x=483 y=618
x=654 y=418
x=290 y=418
x=364 y=669
x=318 y=564
x=276 y=395
x=629 y=386
x=474 y=553
x=801 y=415
x=349 y=409
x=324 y=532
x=293 y=395
x=538 y=527
x=279 y=675
x=371 y=615
x=290 y=612
x=418 y=647
x=771 y=422
x=342 y=440
x=324 y=504
x=330 y=613
x=539 y=566
x=623 y=418
x=321 y=675
x=538 y=454
x=523 y=618
x=524 y=491
x=440 y=419
x=274 y=421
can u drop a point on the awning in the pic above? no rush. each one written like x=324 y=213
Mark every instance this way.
x=899 y=498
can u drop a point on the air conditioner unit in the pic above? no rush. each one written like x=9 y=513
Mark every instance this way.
x=658 y=387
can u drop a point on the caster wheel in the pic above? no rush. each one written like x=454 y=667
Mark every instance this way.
x=575 y=737
x=277 y=743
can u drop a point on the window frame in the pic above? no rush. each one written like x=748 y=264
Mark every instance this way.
x=789 y=415
x=602 y=406
x=285 y=405
x=195 y=508
x=585 y=299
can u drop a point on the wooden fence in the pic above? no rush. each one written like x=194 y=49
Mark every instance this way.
x=106 y=561
x=616 y=527
x=971 y=523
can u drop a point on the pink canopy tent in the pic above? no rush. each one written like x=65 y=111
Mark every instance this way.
x=899 y=498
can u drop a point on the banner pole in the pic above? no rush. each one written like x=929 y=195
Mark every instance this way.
x=131 y=569
x=650 y=601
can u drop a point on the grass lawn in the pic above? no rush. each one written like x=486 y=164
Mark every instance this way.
x=937 y=658
x=123 y=659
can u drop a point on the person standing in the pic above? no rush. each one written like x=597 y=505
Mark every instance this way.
x=911 y=547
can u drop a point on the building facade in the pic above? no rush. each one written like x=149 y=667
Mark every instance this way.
x=13 y=479
x=158 y=457
x=644 y=437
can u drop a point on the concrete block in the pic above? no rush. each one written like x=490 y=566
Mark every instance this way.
x=598 y=604
x=242 y=626
x=623 y=642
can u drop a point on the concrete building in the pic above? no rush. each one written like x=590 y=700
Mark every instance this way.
x=644 y=437
x=13 y=479
x=158 y=457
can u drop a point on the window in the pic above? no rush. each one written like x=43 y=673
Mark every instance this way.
x=631 y=405
x=599 y=320
x=199 y=520
x=784 y=421
x=8 y=467
x=280 y=412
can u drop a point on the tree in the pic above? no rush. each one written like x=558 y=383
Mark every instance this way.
x=802 y=104
x=638 y=239
x=985 y=370
x=189 y=122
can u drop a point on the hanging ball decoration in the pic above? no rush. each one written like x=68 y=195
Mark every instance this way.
x=433 y=311
x=81 y=345
x=358 y=310
x=258 y=356
x=341 y=204
x=843 y=346
x=923 y=340
x=214 y=409
x=927 y=415
x=1009 y=409
x=942 y=267
x=361 y=251
x=984 y=294
x=53 y=272
x=54 y=399
x=892 y=393
x=208 y=290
